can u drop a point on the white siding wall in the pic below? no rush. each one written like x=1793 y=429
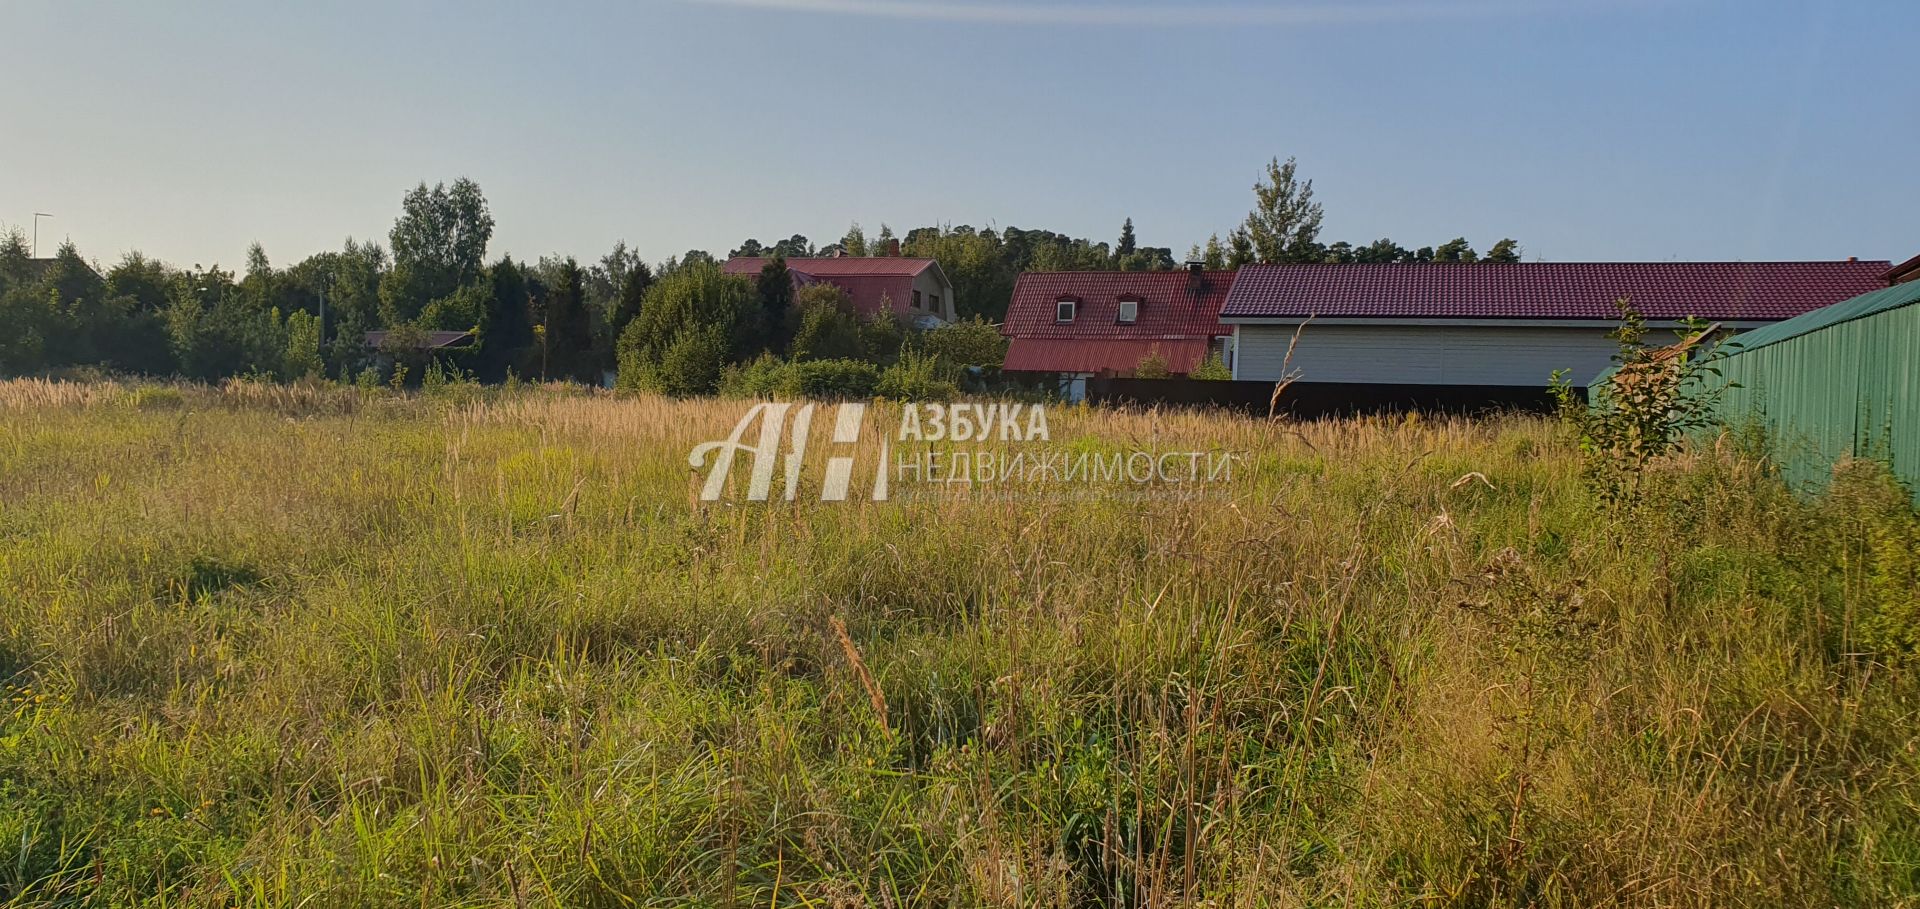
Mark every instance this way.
x=1425 y=355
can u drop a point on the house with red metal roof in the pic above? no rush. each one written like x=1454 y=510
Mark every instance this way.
x=915 y=289
x=1499 y=325
x=1081 y=324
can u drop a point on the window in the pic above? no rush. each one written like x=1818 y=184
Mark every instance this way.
x=916 y=300
x=1063 y=310
x=933 y=302
x=1129 y=311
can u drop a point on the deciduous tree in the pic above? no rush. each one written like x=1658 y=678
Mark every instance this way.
x=1284 y=225
x=439 y=244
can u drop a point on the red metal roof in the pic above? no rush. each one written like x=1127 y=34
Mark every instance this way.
x=1173 y=305
x=1763 y=291
x=872 y=283
x=1096 y=355
x=833 y=267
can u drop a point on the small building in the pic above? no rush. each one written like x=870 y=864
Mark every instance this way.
x=1500 y=328
x=916 y=289
x=434 y=341
x=1072 y=326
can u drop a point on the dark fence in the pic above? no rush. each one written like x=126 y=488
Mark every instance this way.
x=1308 y=400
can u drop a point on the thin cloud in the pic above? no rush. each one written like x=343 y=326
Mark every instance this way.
x=1039 y=13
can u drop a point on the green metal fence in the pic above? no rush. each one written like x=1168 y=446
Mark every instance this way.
x=1839 y=381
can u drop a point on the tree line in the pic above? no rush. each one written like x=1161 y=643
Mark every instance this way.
x=1284 y=228
x=677 y=326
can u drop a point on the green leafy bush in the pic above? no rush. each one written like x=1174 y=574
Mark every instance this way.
x=831 y=379
x=763 y=377
x=973 y=342
x=1214 y=369
x=916 y=378
x=827 y=327
x=1657 y=394
x=882 y=338
x=1152 y=366
x=692 y=322
x=691 y=365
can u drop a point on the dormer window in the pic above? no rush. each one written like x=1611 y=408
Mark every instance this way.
x=1129 y=312
x=1063 y=310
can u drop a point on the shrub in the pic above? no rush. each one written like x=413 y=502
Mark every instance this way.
x=445 y=380
x=974 y=342
x=828 y=328
x=684 y=315
x=1656 y=395
x=690 y=365
x=1876 y=541
x=761 y=378
x=1214 y=369
x=1152 y=366
x=831 y=379
x=882 y=338
x=916 y=378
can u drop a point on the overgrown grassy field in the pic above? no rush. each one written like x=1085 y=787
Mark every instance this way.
x=318 y=647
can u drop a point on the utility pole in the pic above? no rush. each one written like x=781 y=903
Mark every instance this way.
x=36 y=231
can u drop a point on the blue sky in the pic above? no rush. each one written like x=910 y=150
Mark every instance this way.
x=1587 y=129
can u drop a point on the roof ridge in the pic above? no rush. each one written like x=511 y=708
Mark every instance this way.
x=1858 y=262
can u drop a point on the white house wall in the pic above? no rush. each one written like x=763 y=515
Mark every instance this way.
x=1425 y=355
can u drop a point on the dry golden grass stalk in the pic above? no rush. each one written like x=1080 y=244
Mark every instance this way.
x=1288 y=375
x=867 y=681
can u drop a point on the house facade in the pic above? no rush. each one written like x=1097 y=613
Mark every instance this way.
x=1499 y=325
x=1073 y=326
x=915 y=289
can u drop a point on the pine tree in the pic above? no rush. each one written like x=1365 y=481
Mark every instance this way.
x=1240 y=251
x=508 y=323
x=569 y=327
x=1506 y=250
x=1455 y=250
x=1125 y=247
x=776 y=299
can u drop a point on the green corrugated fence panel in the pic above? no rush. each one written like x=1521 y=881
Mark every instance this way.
x=1840 y=381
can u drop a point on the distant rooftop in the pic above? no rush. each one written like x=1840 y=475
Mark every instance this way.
x=1730 y=291
x=834 y=266
x=433 y=340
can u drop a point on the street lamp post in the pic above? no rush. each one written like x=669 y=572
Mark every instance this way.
x=36 y=231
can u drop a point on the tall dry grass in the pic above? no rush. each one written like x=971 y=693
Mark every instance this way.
x=325 y=647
